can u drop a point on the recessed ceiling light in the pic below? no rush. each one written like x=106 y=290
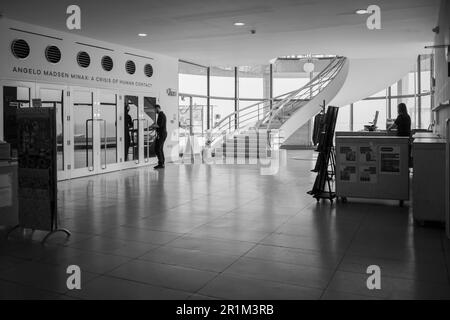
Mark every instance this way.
x=361 y=11
x=142 y=34
x=239 y=24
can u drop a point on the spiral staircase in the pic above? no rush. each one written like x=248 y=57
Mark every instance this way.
x=256 y=130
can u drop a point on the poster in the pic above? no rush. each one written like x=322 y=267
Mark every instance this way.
x=37 y=167
x=347 y=173
x=390 y=160
x=367 y=154
x=347 y=154
x=368 y=174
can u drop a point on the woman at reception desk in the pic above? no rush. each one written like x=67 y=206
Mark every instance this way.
x=403 y=122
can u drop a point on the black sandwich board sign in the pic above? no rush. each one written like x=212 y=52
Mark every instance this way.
x=37 y=170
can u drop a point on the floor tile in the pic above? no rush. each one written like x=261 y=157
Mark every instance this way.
x=131 y=249
x=109 y=288
x=163 y=275
x=282 y=272
x=295 y=256
x=208 y=245
x=231 y=287
x=195 y=259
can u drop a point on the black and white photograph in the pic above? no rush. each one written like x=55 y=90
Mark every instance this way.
x=229 y=159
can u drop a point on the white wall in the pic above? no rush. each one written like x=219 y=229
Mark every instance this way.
x=165 y=69
x=369 y=76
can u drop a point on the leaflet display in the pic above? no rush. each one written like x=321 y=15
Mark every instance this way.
x=372 y=167
x=390 y=160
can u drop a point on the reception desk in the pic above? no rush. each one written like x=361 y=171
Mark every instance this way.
x=377 y=133
x=9 y=208
x=429 y=179
x=372 y=166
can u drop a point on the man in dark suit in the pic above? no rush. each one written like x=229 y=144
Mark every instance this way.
x=161 y=135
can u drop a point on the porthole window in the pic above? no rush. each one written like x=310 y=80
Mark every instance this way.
x=107 y=63
x=83 y=59
x=53 y=54
x=130 y=66
x=148 y=70
x=20 y=49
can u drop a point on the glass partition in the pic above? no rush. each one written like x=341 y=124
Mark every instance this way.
x=132 y=123
x=83 y=129
x=108 y=134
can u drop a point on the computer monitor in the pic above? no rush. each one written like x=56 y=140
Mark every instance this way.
x=372 y=126
x=375 y=120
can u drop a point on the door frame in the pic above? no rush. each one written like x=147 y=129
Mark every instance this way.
x=140 y=119
x=100 y=169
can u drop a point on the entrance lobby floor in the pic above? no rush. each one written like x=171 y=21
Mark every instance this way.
x=224 y=232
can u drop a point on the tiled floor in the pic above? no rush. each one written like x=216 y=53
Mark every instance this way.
x=224 y=232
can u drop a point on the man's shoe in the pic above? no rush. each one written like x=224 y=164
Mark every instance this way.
x=158 y=167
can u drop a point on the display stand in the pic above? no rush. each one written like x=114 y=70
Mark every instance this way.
x=37 y=171
x=447 y=181
x=322 y=186
x=372 y=167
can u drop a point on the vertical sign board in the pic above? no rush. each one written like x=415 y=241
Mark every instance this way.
x=447 y=178
x=37 y=168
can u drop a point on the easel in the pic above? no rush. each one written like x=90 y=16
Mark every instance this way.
x=37 y=168
x=326 y=161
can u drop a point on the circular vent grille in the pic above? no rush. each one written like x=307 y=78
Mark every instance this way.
x=53 y=54
x=148 y=70
x=107 y=63
x=20 y=49
x=83 y=59
x=130 y=66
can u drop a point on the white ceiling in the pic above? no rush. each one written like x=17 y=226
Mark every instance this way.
x=202 y=30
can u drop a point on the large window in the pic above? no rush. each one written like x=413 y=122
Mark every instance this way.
x=415 y=90
x=253 y=82
x=216 y=86
x=227 y=89
x=192 y=79
x=288 y=75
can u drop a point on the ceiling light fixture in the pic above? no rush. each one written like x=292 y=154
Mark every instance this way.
x=361 y=11
x=142 y=34
x=239 y=24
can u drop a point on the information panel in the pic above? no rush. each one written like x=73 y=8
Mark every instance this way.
x=37 y=167
x=372 y=167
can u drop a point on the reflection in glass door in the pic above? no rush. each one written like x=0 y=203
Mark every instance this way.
x=83 y=129
x=192 y=114
x=131 y=125
x=149 y=134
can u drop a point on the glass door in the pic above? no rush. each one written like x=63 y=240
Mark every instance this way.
x=83 y=126
x=132 y=129
x=192 y=115
x=109 y=156
x=149 y=134
x=55 y=97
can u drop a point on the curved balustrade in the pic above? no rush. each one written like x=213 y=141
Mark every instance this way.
x=268 y=114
